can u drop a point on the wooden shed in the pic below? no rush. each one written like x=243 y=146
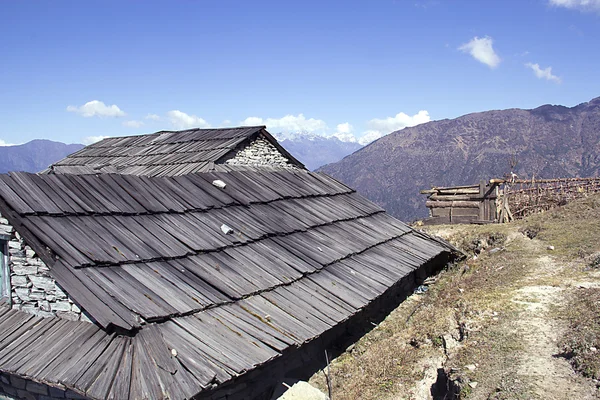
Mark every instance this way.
x=462 y=204
x=203 y=285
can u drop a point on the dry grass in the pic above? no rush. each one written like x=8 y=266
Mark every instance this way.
x=574 y=230
x=581 y=343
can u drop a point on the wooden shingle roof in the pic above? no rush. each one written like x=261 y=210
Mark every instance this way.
x=193 y=285
x=164 y=153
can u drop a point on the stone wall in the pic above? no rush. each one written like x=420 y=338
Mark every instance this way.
x=260 y=153
x=33 y=290
x=14 y=387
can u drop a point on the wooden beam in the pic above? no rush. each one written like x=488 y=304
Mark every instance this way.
x=457 y=204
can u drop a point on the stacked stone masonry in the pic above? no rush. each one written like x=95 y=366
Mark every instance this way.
x=33 y=290
x=14 y=387
x=260 y=153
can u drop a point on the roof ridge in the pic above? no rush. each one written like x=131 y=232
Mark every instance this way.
x=182 y=130
x=212 y=129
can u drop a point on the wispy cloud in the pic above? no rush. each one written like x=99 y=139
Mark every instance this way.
x=181 y=120
x=425 y=4
x=482 y=50
x=153 y=117
x=96 y=108
x=133 y=124
x=545 y=73
x=288 y=123
x=581 y=5
x=93 y=139
x=4 y=144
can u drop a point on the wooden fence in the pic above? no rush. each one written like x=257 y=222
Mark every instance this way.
x=502 y=200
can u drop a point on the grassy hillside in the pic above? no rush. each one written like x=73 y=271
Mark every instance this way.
x=519 y=318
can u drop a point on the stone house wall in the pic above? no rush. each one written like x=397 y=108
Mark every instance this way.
x=14 y=387
x=260 y=153
x=33 y=290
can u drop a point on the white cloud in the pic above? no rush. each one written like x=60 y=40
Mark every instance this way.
x=369 y=136
x=401 y=120
x=96 y=108
x=345 y=128
x=152 y=117
x=252 y=121
x=482 y=50
x=181 y=120
x=288 y=123
x=4 y=144
x=289 y=126
x=545 y=73
x=344 y=133
x=133 y=124
x=581 y=5
x=381 y=127
x=93 y=139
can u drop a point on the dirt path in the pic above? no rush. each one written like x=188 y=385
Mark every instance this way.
x=539 y=365
x=551 y=376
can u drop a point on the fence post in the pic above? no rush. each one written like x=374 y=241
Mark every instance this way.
x=482 y=201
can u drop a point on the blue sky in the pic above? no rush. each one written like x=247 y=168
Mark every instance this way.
x=74 y=71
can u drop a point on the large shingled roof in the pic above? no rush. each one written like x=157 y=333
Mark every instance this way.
x=193 y=284
x=164 y=153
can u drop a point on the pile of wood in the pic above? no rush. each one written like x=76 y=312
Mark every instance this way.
x=461 y=204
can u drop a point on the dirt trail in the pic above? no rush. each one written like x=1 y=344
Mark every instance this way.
x=551 y=376
x=539 y=364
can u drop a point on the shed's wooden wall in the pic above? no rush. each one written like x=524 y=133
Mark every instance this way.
x=462 y=204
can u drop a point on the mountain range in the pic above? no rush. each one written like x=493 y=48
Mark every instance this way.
x=316 y=150
x=34 y=156
x=550 y=141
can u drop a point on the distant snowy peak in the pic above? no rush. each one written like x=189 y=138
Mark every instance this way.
x=316 y=150
x=345 y=137
x=302 y=136
x=296 y=136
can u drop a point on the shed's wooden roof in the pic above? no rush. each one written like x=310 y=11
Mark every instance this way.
x=164 y=153
x=150 y=255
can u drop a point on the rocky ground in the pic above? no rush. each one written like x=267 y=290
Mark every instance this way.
x=519 y=318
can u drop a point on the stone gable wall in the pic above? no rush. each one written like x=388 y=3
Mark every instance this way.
x=33 y=290
x=260 y=153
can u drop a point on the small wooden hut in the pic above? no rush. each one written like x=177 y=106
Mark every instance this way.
x=461 y=204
